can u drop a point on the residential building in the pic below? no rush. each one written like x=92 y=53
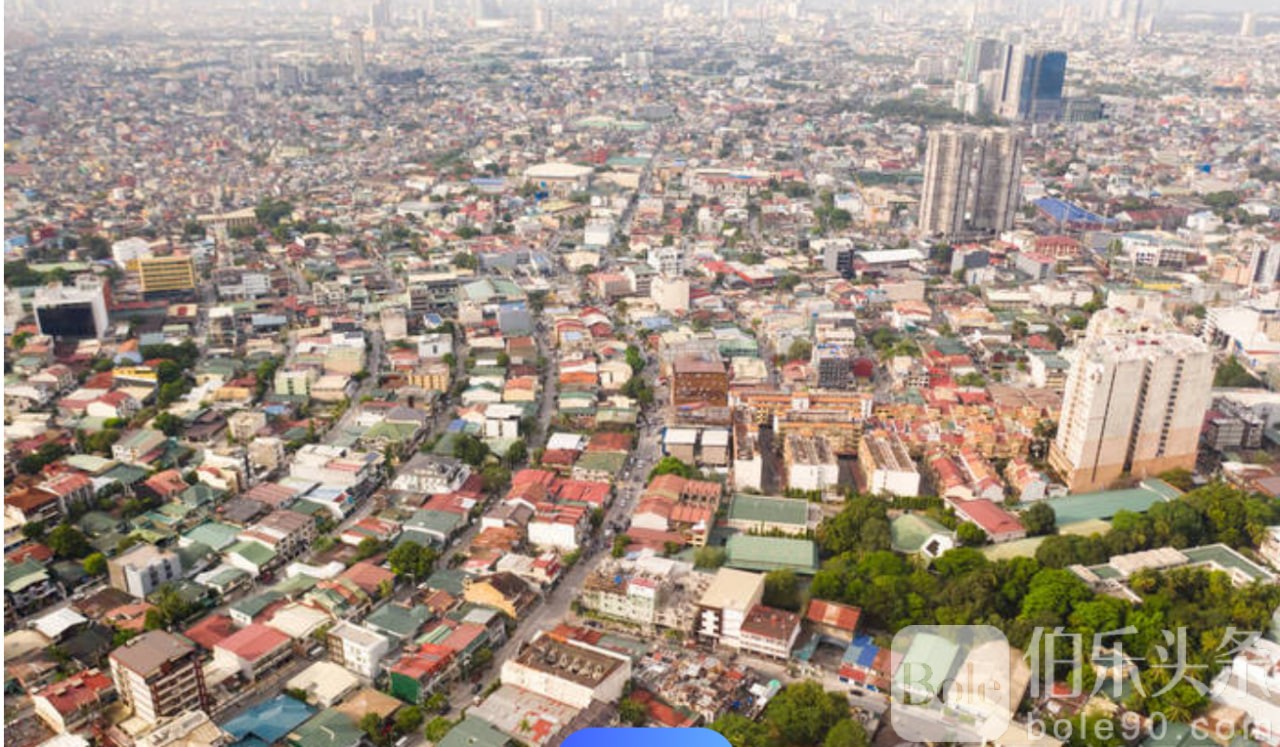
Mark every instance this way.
x=143 y=569
x=971 y=181
x=253 y=651
x=886 y=466
x=428 y=474
x=699 y=378
x=769 y=632
x=357 y=648
x=158 y=675
x=68 y=705
x=287 y=533
x=1134 y=404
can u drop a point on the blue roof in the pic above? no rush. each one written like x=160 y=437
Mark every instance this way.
x=862 y=651
x=269 y=721
x=1065 y=212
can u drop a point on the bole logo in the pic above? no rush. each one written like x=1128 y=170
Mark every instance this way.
x=955 y=683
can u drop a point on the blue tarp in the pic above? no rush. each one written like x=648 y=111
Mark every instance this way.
x=862 y=652
x=1062 y=211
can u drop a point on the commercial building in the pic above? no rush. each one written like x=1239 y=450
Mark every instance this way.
x=568 y=671
x=1134 y=403
x=971 y=182
x=172 y=275
x=769 y=632
x=143 y=569
x=1031 y=84
x=158 y=675
x=699 y=378
x=724 y=606
x=77 y=311
x=886 y=466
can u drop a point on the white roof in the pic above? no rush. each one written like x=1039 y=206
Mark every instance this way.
x=557 y=171
x=566 y=441
x=299 y=621
x=733 y=589
x=715 y=437
x=683 y=436
x=58 y=622
x=325 y=682
x=891 y=256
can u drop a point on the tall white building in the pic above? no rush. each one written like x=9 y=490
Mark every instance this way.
x=971 y=181
x=78 y=310
x=1135 y=399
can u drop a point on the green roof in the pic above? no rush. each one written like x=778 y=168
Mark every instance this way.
x=444 y=522
x=401 y=622
x=255 y=553
x=251 y=606
x=214 y=534
x=1177 y=735
x=448 y=579
x=929 y=659
x=1106 y=504
x=328 y=728
x=24 y=574
x=910 y=531
x=296 y=584
x=1228 y=559
x=126 y=474
x=474 y=732
x=757 y=508
x=602 y=461
x=771 y=553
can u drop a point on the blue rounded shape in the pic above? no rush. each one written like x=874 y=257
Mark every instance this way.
x=646 y=738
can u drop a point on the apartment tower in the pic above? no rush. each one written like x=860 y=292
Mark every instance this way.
x=970 y=182
x=1134 y=403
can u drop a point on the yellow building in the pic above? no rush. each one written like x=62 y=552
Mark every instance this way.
x=167 y=274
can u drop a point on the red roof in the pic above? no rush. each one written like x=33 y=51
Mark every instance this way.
x=834 y=615
x=993 y=519
x=78 y=691
x=211 y=631
x=367 y=576
x=254 y=642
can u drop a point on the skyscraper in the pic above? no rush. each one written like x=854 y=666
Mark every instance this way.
x=979 y=55
x=970 y=181
x=357 y=56
x=1031 y=84
x=1248 y=24
x=1135 y=399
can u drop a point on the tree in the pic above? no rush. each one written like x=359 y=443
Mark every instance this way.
x=34 y=531
x=1039 y=520
x=803 y=713
x=371 y=725
x=67 y=542
x=408 y=719
x=741 y=731
x=368 y=547
x=471 y=450
x=846 y=733
x=799 y=350
x=412 y=559
x=970 y=534
x=672 y=466
x=631 y=712
x=1179 y=478
x=1232 y=375
x=437 y=728
x=516 y=453
x=782 y=589
x=95 y=564
x=168 y=424
x=620 y=543
x=635 y=359
x=709 y=557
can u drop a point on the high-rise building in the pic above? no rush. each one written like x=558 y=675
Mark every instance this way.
x=1249 y=24
x=158 y=675
x=1134 y=403
x=980 y=55
x=167 y=275
x=357 y=56
x=76 y=311
x=1031 y=83
x=971 y=181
